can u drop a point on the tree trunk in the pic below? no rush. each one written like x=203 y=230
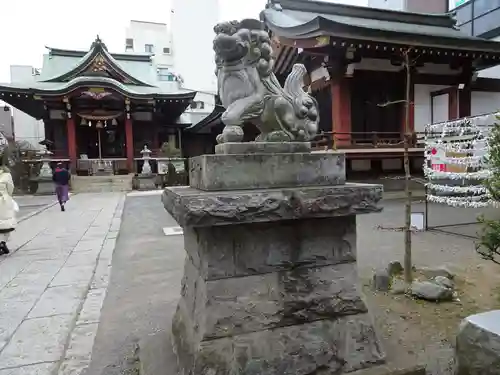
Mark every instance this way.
x=408 y=267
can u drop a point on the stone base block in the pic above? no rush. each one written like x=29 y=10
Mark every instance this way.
x=262 y=171
x=147 y=182
x=46 y=187
x=478 y=345
x=156 y=356
x=336 y=346
x=196 y=208
x=262 y=148
x=273 y=298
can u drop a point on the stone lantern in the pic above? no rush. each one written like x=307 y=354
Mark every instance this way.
x=146 y=156
x=46 y=170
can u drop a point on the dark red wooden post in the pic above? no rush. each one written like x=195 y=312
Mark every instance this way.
x=341 y=110
x=70 y=125
x=129 y=136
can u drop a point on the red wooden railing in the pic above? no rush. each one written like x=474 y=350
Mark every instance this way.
x=344 y=140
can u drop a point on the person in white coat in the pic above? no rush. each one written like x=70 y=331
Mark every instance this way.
x=8 y=208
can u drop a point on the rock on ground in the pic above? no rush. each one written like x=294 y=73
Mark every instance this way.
x=382 y=280
x=398 y=286
x=444 y=281
x=478 y=345
x=394 y=268
x=431 y=273
x=431 y=291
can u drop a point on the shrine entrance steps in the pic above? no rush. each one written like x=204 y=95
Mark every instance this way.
x=101 y=184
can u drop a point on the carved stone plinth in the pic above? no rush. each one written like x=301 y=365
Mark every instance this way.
x=45 y=186
x=262 y=147
x=270 y=276
x=263 y=171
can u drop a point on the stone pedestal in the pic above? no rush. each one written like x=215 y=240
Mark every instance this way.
x=45 y=186
x=270 y=273
x=477 y=348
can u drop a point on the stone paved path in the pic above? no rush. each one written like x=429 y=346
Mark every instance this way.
x=53 y=284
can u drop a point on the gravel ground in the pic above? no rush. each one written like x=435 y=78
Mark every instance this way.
x=427 y=330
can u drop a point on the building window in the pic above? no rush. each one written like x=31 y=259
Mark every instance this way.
x=129 y=44
x=452 y=4
x=149 y=48
x=166 y=50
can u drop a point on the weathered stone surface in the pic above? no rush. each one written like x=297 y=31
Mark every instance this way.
x=394 y=268
x=444 y=281
x=270 y=276
x=477 y=348
x=382 y=280
x=264 y=171
x=196 y=208
x=398 y=286
x=328 y=346
x=432 y=272
x=262 y=147
x=431 y=291
x=228 y=307
x=242 y=250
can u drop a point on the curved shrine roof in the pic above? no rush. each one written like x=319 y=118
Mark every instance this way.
x=302 y=19
x=61 y=88
x=132 y=75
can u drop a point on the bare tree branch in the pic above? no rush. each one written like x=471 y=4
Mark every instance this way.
x=391 y=103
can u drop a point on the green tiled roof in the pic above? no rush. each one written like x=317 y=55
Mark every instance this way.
x=59 y=88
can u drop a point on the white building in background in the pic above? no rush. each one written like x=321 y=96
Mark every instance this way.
x=192 y=32
x=26 y=128
x=182 y=51
x=150 y=37
x=418 y=6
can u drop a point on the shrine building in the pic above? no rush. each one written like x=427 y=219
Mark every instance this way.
x=355 y=59
x=101 y=106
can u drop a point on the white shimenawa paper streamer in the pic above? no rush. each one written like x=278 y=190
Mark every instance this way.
x=459 y=201
x=465 y=136
x=438 y=175
x=472 y=189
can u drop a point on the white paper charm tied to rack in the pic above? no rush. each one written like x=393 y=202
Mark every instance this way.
x=467 y=136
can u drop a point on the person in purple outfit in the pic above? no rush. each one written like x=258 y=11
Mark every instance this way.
x=61 y=178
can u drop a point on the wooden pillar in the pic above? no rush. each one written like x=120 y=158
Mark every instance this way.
x=453 y=104
x=411 y=124
x=341 y=110
x=129 y=137
x=156 y=139
x=71 y=130
x=464 y=102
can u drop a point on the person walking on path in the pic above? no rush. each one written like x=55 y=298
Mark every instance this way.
x=8 y=208
x=61 y=178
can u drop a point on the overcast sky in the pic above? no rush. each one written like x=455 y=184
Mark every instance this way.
x=26 y=26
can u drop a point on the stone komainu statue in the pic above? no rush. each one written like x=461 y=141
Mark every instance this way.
x=250 y=91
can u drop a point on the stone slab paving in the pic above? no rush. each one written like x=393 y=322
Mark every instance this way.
x=53 y=284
